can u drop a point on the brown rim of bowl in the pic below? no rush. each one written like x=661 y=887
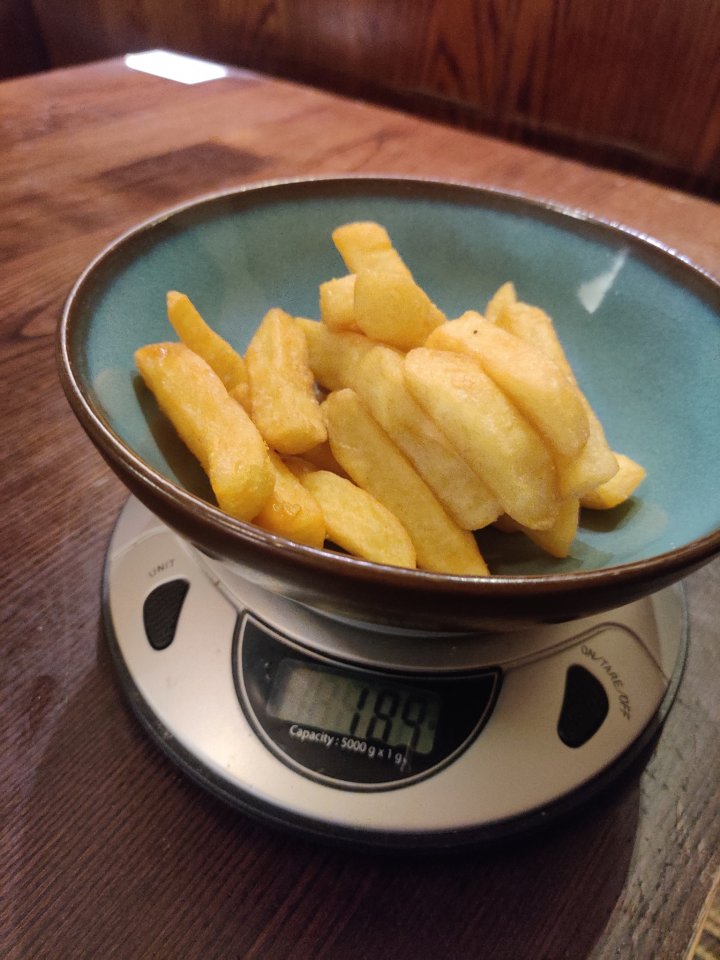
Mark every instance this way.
x=692 y=554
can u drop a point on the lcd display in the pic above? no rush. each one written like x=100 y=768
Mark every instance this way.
x=355 y=706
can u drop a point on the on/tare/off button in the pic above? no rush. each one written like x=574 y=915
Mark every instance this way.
x=584 y=708
x=161 y=612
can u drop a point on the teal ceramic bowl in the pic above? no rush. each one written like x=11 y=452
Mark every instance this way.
x=640 y=325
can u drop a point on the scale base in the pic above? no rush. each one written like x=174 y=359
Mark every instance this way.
x=518 y=770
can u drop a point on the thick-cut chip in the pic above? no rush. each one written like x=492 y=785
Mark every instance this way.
x=358 y=522
x=389 y=306
x=558 y=539
x=595 y=463
x=282 y=396
x=301 y=466
x=537 y=386
x=379 y=381
x=502 y=296
x=619 y=488
x=321 y=457
x=373 y=461
x=590 y=467
x=535 y=326
x=365 y=245
x=488 y=432
x=333 y=355
x=227 y=363
x=392 y=308
x=337 y=303
x=214 y=427
x=291 y=510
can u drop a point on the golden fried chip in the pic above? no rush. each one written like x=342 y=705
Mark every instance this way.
x=227 y=363
x=376 y=465
x=538 y=387
x=389 y=306
x=282 y=396
x=333 y=355
x=365 y=245
x=503 y=295
x=619 y=488
x=379 y=380
x=535 y=326
x=214 y=427
x=358 y=522
x=392 y=308
x=291 y=510
x=488 y=433
x=558 y=539
x=595 y=463
x=592 y=466
x=321 y=458
x=337 y=303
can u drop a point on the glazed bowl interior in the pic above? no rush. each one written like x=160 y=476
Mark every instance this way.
x=640 y=327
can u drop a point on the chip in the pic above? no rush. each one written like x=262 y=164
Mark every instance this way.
x=488 y=432
x=375 y=464
x=283 y=403
x=214 y=427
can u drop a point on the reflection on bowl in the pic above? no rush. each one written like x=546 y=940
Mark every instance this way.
x=639 y=324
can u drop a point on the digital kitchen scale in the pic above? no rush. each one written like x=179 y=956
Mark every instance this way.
x=385 y=738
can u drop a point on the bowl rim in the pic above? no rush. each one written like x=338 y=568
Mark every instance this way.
x=196 y=510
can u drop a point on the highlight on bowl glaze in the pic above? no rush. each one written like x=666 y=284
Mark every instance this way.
x=640 y=325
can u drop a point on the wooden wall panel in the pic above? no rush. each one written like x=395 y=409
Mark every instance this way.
x=21 y=46
x=628 y=84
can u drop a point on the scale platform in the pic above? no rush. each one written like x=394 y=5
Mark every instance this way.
x=392 y=739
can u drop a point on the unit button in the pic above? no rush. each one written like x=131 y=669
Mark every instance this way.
x=161 y=612
x=584 y=708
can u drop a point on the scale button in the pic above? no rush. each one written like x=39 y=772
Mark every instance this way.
x=585 y=706
x=161 y=612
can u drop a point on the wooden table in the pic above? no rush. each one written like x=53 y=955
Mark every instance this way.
x=108 y=851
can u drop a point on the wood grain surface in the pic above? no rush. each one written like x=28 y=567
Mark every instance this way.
x=633 y=85
x=107 y=849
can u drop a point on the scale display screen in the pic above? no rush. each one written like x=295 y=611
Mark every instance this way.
x=393 y=714
x=350 y=725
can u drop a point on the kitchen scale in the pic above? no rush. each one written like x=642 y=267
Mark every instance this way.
x=377 y=736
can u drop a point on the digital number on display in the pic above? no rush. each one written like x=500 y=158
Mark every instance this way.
x=394 y=715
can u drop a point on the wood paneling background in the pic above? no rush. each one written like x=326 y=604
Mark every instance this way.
x=21 y=45
x=633 y=84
